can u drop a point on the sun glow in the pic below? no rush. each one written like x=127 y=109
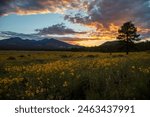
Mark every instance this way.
x=89 y=42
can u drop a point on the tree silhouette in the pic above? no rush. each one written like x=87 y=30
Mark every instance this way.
x=128 y=33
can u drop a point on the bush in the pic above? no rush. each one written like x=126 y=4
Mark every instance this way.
x=21 y=56
x=11 y=58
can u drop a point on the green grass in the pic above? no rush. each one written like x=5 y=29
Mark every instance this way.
x=74 y=75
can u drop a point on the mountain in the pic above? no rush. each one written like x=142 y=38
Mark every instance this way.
x=113 y=46
x=17 y=43
x=120 y=46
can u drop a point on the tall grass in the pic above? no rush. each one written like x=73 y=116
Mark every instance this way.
x=68 y=75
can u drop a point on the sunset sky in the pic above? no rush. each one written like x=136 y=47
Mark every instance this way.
x=82 y=22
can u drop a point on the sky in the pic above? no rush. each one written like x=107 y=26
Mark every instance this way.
x=81 y=22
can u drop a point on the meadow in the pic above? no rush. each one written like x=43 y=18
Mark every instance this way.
x=74 y=75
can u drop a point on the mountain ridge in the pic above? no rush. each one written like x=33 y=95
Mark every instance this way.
x=17 y=43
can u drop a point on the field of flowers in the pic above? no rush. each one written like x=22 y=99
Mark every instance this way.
x=74 y=75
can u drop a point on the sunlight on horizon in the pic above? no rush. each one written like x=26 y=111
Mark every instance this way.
x=89 y=43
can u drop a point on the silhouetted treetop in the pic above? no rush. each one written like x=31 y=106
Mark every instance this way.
x=128 y=32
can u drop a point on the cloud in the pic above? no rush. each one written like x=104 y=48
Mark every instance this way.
x=106 y=16
x=9 y=34
x=58 y=29
x=24 y=7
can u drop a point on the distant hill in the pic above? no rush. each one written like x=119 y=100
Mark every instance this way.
x=17 y=43
x=120 y=46
x=115 y=46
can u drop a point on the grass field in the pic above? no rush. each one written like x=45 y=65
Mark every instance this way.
x=74 y=75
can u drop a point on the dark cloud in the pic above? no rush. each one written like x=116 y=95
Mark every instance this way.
x=4 y=5
x=106 y=15
x=36 y=6
x=108 y=11
x=58 y=29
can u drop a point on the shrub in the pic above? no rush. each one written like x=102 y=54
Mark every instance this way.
x=11 y=58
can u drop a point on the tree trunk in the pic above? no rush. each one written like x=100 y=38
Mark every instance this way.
x=127 y=46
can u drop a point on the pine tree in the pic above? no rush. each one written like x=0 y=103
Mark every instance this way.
x=128 y=33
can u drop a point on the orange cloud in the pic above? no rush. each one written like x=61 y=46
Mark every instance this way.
x=106 y=16
x=25 y=7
